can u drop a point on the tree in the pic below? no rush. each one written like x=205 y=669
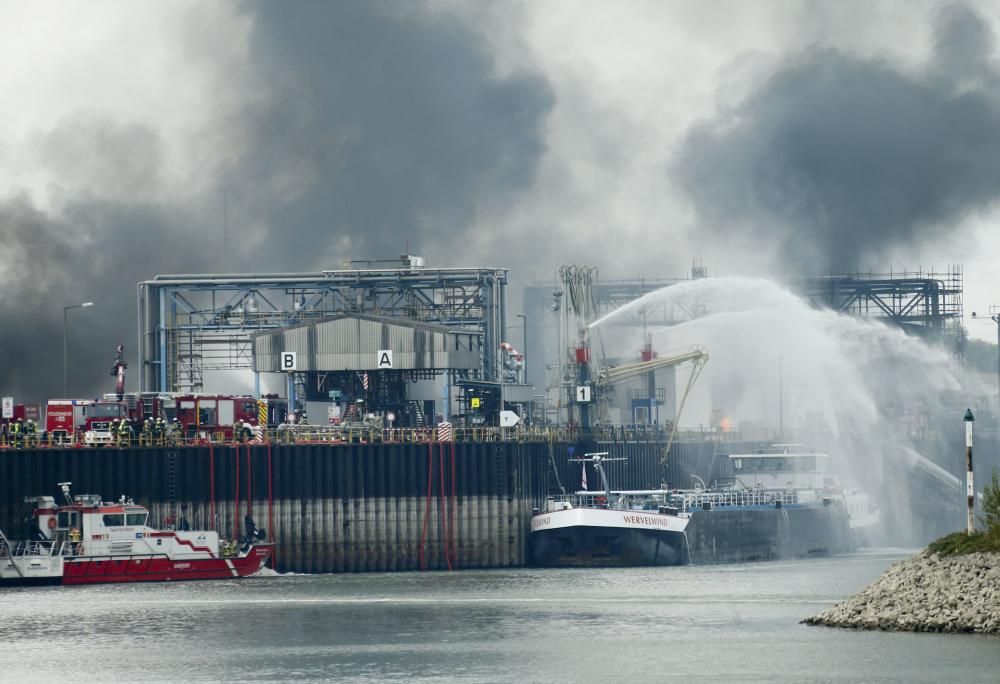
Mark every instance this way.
x=991 y=503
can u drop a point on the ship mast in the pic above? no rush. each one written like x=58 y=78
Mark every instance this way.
x=598 y=459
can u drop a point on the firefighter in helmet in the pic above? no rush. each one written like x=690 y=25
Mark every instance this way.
x=124 y=432
x=29 y=432
x=147 y=431
x=177 y=428
x=15 y=432
x=158 y=429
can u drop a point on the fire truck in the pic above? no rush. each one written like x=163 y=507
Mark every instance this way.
x=24 y=412
x=204 y=416
x=211 y=415
x=142 y=405
x=89 y=420
x=86 y=419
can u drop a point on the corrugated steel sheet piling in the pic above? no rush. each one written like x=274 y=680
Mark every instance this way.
x=338 y=508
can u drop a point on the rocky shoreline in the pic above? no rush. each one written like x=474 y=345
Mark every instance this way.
x=926 y=593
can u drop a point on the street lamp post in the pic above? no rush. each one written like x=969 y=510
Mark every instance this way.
x=995 y=317
x=66 y=309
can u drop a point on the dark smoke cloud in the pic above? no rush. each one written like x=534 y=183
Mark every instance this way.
x=377 y=126
x=93 y=251
x=396 y=122
x=842 y=160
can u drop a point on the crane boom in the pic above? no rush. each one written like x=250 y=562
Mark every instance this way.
x=617 y=374
x=697 y=356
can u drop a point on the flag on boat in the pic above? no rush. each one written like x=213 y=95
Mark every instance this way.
x=583 y=478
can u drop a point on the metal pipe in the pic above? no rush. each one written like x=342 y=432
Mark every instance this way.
x=524 y=346
x=321 y=277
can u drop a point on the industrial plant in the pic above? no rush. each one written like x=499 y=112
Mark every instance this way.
x=392 y=415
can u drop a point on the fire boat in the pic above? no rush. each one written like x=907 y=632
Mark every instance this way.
x=87 y=541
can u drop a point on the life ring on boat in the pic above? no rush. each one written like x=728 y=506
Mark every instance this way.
x=52 y=523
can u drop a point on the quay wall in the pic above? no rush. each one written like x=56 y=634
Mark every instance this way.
x=349 y=507
x=328 y=508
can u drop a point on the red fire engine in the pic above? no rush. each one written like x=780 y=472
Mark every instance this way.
x=86 y=419
x=24 y=412
x=209 y=415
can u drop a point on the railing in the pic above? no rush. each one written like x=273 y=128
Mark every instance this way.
x=687 y=501
x=19 y=549
x=683 y=501
x=361 y=433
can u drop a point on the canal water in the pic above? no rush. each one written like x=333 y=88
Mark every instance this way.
x=719 y=623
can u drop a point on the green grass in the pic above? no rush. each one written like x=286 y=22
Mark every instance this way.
x=959 y=543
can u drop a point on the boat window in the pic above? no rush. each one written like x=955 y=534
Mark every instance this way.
x=135 y=519
x=114 y=519
x=67 y=519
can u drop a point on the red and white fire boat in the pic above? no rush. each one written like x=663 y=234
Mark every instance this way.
x=87 y=541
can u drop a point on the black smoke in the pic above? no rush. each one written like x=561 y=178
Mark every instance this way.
x=93 y=251
x=395 y=120
x=375 y=127
x=841 y=161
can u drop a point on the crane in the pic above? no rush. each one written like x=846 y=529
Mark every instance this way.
x=118 y=370
x=607 y=378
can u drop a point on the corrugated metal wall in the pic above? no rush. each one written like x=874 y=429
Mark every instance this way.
x=344 y=508
x=353 y=343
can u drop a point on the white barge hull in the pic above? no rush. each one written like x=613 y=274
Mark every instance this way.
x=594 y=537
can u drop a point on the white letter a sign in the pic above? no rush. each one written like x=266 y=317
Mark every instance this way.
x=384 y=358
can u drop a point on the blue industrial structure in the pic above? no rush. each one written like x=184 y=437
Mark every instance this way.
x=193 y=323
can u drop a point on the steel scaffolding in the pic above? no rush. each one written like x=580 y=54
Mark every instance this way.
x=192 y=323
x=923 y=303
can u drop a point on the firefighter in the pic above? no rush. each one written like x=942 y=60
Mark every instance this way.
x=242 y=432
x=29 y=432
x=158 y=430
x=178 y=431
x=15 y=433
x=124 y=432
x=113 y=430
x=147 y=431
